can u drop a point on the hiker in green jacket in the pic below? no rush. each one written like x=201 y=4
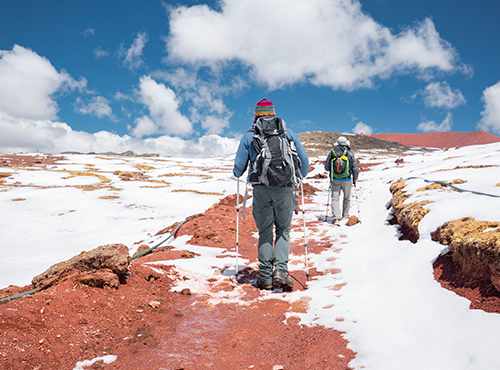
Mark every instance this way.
x=343 y=169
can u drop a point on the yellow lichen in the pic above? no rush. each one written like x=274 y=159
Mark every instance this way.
x=196 y=192
x=144 y=167
x=109 y=197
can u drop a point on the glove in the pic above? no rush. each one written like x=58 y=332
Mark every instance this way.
x=354 y=183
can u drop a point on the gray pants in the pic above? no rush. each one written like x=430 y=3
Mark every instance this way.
x=337 y=187
x=273 y=207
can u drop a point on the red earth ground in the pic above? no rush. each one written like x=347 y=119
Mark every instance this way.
x=147 y=326
x=440 y=139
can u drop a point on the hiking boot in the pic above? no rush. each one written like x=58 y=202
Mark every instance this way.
x=336 y=222
x=264 y=285
x=282 y=278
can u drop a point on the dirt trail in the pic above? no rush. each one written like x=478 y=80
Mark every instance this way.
x=147 y=326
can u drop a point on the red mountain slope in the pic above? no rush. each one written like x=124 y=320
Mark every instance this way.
x=447 y=139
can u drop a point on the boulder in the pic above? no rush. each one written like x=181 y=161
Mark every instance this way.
x=474 y=245
x=111 y=258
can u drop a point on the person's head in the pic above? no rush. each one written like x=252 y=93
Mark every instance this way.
x=263 y=108
x=342 y=141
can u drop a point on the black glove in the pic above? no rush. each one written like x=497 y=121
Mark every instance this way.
x=354 y=183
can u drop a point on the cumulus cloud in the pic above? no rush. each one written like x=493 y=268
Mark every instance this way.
x=362 y=128
x=429 y=126
x=440 y=95
x=97 y=106
x=132 y=57
x=205 y=97
x=323 y=42
x=25 y=135
x=164 y=115
x=490 y=120
x=28 y=83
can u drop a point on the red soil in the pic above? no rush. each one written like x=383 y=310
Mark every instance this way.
x=147 y=326
x=440 y=139
x=480 y=292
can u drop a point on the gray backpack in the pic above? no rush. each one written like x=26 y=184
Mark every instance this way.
x=277 y=162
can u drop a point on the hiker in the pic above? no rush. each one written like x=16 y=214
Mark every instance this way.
x=343 y=174
x=272 y=205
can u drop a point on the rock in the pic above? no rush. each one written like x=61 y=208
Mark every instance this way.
x=407 y=215
x=142 y=248
x=98 y=279
x=475 y=245
x=186 y=291
x=353 y=220
x=155 y=304
x=111 y=257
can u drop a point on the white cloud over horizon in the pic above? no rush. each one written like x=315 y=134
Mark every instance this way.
x=336 y=45
x=362 y=128
x=97 y=106
x=164 y=115
x=31 y=136
x=440 y=95
x=490 y=120
x=432 y=126
x=206 y=97
x=28 y=83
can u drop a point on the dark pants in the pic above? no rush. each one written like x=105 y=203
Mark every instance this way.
x=273 y=206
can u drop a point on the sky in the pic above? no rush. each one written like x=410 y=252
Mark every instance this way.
x=390 y=308
x=182 y=78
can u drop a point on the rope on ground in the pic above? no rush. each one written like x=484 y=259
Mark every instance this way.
x=462 y=190
x=20 y=295
x=453 y=187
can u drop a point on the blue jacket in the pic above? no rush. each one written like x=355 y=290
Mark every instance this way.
x=246 y=151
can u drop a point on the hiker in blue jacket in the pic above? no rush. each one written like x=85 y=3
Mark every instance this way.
x=342 y=183
x=272 y=206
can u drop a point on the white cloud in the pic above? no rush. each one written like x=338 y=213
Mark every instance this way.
x=89 y=32
x=324 y=42
x=490 y=120
x=24 y=135
x=100 y=53
x=205 y=96
x=362 y=128
x=28 y=83
x=132 y=56
x=97 y=106
x=433 y=126
x=163 y=107
x=440 y=95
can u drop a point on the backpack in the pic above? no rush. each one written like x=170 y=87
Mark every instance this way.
x=340 y=165
x=277 y=162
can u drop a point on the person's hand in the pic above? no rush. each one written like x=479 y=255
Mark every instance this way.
x=354 y=183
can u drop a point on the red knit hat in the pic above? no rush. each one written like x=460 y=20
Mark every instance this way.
x=264 y=107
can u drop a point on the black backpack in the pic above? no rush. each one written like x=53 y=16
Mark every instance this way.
x=340 y=164
x=277 y=162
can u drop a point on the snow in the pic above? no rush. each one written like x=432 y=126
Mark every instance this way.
x=377 y=289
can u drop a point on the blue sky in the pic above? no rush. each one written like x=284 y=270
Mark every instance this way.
x=182 y=78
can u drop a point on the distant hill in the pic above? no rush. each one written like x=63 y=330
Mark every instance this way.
x=319 y=143
x=441 y=140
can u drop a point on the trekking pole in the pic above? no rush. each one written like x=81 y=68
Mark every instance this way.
x=328 y=202
x=237 y=224
x=357 y=202
x=305 y=238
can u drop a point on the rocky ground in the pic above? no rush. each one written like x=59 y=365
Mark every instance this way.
x=147 y=326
